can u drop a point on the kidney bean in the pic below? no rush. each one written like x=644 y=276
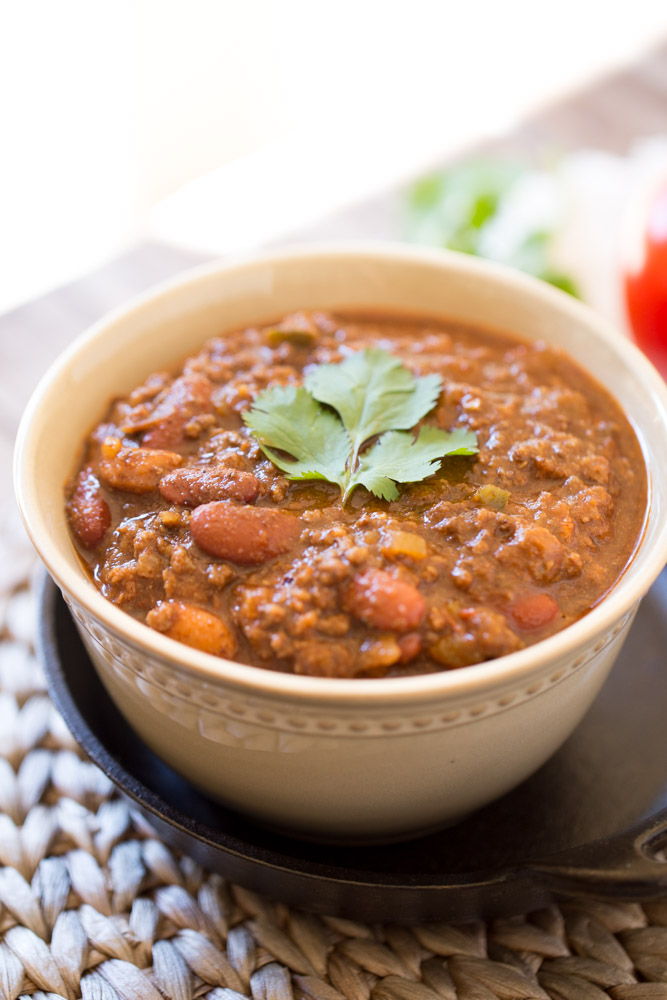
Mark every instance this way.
x=377 y=655
x=244 y=535
x=380 y=600
x=137 y=470
x=193 y=626
x=204 y=483
x=89 y=513
x=410 y=646
x=534 y=611
x=186 y=398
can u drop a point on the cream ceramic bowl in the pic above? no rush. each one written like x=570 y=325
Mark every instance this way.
x=328 y=757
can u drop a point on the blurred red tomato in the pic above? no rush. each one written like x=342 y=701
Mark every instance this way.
x=645 y=284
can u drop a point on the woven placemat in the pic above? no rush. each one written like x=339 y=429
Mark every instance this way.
x=94 y=905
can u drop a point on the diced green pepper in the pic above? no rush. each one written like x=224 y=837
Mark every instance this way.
x=492 y=496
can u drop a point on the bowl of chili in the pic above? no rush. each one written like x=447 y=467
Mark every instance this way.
x=361 y=563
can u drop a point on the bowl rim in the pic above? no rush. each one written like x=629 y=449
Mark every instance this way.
x=472 y=681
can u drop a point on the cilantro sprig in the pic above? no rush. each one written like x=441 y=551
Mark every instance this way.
x=324 y=429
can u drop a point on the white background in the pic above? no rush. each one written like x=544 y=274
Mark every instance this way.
x=108 y=108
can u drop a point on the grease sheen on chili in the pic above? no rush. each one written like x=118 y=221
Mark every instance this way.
x=186 y=525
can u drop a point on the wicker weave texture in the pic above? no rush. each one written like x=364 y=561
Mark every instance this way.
x=94 y=905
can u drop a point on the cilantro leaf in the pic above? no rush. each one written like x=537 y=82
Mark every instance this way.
x=399 y=457
x=374 y=396
x=372 y=391
x=287 y=417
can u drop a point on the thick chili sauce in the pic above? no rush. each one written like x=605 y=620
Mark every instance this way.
x=186 y=525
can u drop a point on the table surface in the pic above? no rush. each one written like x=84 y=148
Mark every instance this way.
x=609 y=115
x=130 y=915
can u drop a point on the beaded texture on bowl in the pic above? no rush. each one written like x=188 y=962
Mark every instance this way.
x=172 y=688
x=94 y=905
x=336 y=766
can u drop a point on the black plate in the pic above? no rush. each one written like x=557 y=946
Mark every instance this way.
x=590 y=822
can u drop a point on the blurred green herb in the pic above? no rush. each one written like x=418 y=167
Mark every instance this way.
x=457 y=207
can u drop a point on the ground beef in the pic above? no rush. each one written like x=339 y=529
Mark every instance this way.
x=187 y=525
